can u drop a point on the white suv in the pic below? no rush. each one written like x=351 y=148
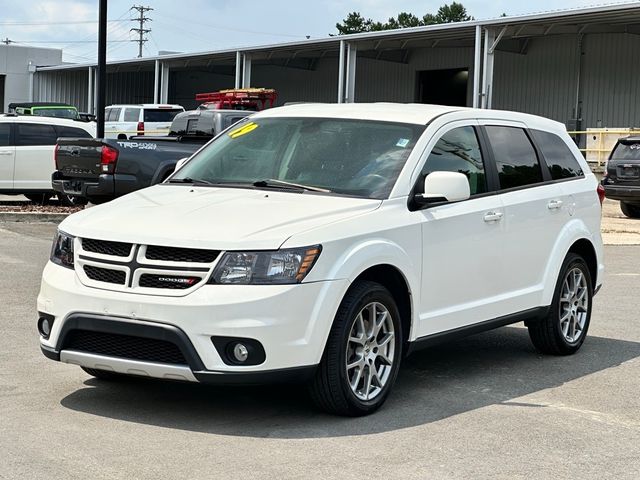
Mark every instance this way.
x=27 y=145
x=325 y=242
x=124 y=121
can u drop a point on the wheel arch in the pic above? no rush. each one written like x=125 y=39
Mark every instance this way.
x=577 y=239
x=393 y=280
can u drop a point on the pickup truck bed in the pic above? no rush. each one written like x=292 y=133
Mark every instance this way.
x=82 y=169
x=103 y=169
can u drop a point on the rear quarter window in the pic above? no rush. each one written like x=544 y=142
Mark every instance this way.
x=160 y=114
x=70 y=132
x=558 y=157
x=131 y=114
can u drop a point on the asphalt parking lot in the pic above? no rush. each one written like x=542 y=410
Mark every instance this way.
x=488 y=406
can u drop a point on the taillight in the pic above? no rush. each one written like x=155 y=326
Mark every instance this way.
x=140 y=128
x=55 y=156
x=600 y=190
x=108 y=159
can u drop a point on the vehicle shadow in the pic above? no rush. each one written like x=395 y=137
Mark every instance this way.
x=491 y=368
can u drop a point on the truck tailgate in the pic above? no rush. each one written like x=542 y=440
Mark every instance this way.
x=79 y=157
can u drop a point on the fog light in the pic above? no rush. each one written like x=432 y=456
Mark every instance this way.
x=240 y=352
x=45 y=323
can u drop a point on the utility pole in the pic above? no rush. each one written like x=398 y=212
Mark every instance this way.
x=101 y=77
x=141 y=31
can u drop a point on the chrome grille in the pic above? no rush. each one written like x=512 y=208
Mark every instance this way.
x=106 y=275
x=104 y=247
x=173 y=254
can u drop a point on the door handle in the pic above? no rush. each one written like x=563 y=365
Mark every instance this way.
x=493 y=217
x=554 y=204
x=6 y=153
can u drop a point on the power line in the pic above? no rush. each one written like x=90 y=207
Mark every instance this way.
x=141 y=31
x=66 y=22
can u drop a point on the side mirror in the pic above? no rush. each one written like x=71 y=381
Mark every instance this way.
x=180 y=163
x=444 y=187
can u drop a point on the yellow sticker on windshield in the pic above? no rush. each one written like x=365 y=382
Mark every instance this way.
x=249 y=127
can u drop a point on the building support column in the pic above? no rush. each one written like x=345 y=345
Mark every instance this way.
x=156 y=80
x=477 y=67
x=90 y=91
x=491 y=41
x=341 y=72
x=32 y=71
x=246 y=70
x=164 y=83
x=238 y=70
x=352 y=53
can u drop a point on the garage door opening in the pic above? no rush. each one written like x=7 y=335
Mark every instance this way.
x=443 y=87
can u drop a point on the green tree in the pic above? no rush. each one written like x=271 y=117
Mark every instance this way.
x=356 y=23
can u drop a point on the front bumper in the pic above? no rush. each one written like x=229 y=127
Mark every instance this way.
x=291 y=322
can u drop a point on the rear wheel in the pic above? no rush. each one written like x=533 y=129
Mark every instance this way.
x=564 y=329
x=362 y=356
x=102 y=374
x=631 y=211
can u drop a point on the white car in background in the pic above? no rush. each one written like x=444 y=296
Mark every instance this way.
x=124 y=121
x=27 y=161
x=325 y=243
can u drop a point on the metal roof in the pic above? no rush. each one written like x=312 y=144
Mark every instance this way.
x=623 y=17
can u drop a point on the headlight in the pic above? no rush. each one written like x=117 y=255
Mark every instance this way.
x=62 y=251
x=266 y=268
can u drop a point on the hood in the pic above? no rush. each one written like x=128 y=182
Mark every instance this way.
x=209 y=217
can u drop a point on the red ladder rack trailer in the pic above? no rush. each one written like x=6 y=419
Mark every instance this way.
x=238 y=99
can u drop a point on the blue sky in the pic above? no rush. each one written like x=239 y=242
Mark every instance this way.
x=199 y=25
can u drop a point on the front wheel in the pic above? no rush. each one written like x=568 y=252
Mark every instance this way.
x=362 y=356
x=564 y=329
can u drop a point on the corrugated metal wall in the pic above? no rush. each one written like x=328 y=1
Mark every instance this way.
x=130 y=87
x=542 y=82
x=611 y=81
x=299 y=85
x=65 y=87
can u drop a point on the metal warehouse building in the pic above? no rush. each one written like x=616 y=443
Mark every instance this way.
x=580 y=67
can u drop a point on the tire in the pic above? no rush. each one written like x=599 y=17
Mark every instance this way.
x=631 y=211
x=102 y=374
x=40 y=198
x=71 y=200
x=564 y=329
x=331 y=388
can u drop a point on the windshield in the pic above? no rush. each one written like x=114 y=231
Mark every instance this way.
x=62 y=112
x=351 y=157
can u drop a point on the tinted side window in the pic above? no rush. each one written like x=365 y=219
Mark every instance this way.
x=5 y=135
x=515 y=157
x=71 y=132
x=558 y=157
x=459 y=151
x=131 y=114
x=30 y=134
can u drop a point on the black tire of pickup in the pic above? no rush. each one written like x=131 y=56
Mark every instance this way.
x=631 y=211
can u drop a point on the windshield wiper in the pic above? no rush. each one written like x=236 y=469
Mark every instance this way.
x=196 y=181
x=273 y=183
